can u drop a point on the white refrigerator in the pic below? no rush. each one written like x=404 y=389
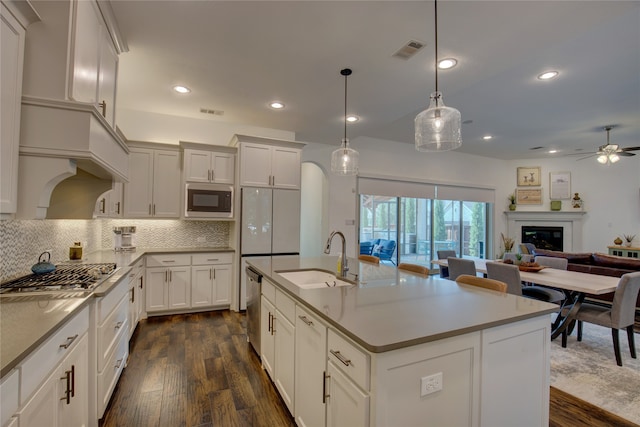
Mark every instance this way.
x=269 y=226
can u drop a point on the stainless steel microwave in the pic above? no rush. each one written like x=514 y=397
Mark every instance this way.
x=208 y=201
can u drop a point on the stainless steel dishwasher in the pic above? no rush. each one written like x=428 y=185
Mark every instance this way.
x=254 y=284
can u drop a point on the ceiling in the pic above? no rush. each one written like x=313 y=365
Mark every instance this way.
x=237 y=56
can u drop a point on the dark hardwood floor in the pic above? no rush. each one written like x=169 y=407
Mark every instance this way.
x=198 y=370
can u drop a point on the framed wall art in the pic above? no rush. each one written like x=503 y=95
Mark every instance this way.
x=529 y=176
x=559 y=185
x=529 y=196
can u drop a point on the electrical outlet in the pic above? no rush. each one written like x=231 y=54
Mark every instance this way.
x=430 y=384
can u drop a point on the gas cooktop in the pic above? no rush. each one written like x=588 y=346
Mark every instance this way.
x=66 y=277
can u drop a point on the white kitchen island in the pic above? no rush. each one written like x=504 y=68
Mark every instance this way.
x=396 y=349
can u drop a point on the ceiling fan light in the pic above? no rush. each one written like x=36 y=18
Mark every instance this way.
x=613 y=157
x=438 y=127
x=344 y=160
x=602 y=159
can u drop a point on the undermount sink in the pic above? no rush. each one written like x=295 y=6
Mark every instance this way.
x=311 y=279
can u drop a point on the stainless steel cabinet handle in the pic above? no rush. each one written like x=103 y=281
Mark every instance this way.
x=214 y=274
x=118 y=208
x=69 y=341
x=73 y=380
x=154 y=209
x=340 y=357
x=213 y=175
x=210 y=273
x=103 y=105
x=305 y=320
x=170 y=275
x=149 y=208
x=118 y=363
x=102 y=205
x=168 y=260
x=118 y=325
x=212 y=259
x=133 y=294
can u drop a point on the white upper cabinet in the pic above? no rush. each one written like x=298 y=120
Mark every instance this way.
x=12 y=37
x=209 y=166
x=94 y=65
x=268 y=162
x=154 y=186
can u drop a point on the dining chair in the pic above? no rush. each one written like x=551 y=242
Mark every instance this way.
x=444 y=254
x=414 y=268
x=458 y=266
x=482 y=282
x=544 y=293
x=369 y=258
x=507 y=273
x=621 y=314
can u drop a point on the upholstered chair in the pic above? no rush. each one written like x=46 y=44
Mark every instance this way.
x=458 y=266
x=507 y=273
x=621 y=314
x=444 y=254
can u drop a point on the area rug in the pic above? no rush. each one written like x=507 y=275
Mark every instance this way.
x=588 y=370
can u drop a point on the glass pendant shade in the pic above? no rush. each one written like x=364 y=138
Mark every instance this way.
x=344 y=160
x=602 y=159
x=438 y=127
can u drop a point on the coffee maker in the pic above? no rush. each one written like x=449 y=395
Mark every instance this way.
x=124 y=238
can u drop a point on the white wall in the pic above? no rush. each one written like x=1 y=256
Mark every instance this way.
x=313 y=210
x=611 y=194
x=152 y=127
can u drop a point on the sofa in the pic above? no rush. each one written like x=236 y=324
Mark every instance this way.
x=596 y=263
x=380 y=248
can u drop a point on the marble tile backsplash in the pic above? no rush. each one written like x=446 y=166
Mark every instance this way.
x=22 y=241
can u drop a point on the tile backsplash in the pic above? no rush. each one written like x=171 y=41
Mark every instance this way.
x=22 y=241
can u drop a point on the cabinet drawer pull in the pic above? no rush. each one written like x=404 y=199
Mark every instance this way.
x=340 y=357
x=305 y=320
x=149 y=209
x=168 y=260
x=103 y=208
x=73 y=380
x=103 y=105
x=118 y=363
x=118 y=208
x=212 y=259
x=69 y=341
x=118 y=325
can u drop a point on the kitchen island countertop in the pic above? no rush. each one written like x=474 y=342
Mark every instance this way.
x=389 y=309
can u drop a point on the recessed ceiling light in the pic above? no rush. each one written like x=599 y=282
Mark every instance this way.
x=552 y=151
x=487 y=137
x=447 y=63
x=181 y=89
x=276 y=105
x=548 y=75
x=352 y=118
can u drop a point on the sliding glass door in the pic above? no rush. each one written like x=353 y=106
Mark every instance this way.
x=420 y=227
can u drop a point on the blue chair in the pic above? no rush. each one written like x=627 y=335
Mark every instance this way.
x=366 y=248
x=384 y=250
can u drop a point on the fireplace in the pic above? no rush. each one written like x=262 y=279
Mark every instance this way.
x=543 y=237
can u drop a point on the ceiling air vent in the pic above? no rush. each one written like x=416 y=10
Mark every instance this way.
x=409 y=49
x=212 y=112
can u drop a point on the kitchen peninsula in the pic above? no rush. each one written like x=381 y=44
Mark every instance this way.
x=398 y=349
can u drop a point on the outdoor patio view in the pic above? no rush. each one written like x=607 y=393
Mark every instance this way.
x=418 y=228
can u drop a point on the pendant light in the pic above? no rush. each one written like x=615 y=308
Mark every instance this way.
x=438 y=127
x=344 y=160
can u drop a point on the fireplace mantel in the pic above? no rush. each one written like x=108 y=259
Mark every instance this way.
x=570 y=221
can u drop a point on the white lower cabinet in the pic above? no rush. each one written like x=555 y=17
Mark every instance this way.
x=277 y=340
x=136 y=295
x=168 y=282
x=112 y=313
x=55 y=378
x=310 y=361
x=188 y=282
x=63 y=399
x=347 y=405
x=211 y=279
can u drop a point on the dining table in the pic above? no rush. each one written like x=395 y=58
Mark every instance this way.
x=575 y=285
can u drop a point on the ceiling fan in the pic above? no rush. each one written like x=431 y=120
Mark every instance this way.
x=611 y=153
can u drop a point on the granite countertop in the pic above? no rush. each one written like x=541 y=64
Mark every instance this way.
x=27 y=321
x=388 y=309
